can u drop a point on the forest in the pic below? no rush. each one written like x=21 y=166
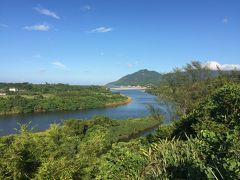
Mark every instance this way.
x=55 y=97
x=202 y=142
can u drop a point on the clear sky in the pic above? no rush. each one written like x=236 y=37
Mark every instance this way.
x=98 y=41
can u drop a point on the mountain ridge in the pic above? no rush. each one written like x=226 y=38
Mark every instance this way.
x=142 y=77
x=145 y=77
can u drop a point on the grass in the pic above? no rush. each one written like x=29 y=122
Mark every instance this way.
x=130 y=127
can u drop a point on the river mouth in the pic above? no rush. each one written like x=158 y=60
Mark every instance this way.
x=138 y=107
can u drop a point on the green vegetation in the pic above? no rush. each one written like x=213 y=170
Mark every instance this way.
x=202 y=144
x=70 y=151
x=188 y=86
x=56 y=97
x=154 y=79
x=142 y=77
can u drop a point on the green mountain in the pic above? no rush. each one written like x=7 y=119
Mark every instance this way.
x=142 y=77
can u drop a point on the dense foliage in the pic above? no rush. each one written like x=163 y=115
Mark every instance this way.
x=188 y=86
x=70 y=151
x=204 y=144
x=55 y=97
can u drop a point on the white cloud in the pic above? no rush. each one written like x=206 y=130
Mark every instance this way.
x=213 y=65
x=3 y=25
x=60 y=65
x=86 y=8
x=102 y=30
x=225 y=20
x=38 y=27
x=47 y=12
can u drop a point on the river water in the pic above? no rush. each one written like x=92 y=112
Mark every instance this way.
x=41 y=121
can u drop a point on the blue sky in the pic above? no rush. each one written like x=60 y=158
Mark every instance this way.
x=98 y=41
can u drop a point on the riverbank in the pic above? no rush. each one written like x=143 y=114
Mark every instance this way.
x=128 y=88
x=121 y=130
x=134 y=107
x=114 y=104
x=133 y=127
x=120 y=101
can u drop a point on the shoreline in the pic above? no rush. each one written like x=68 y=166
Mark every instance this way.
x=114 y=104
x=124 y=138
x=108 y=105
x=128 y=88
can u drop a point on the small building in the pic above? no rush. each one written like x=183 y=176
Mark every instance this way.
x=3 y=94
x=13 y=89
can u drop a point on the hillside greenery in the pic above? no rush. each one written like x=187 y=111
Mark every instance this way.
x=189 y=72
x=143 y=77
x=55 y=97
x=202 y=144
x=186 y=87
x=70 y=151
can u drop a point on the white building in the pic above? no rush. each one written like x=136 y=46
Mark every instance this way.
x=13 y=89
x=2 y=94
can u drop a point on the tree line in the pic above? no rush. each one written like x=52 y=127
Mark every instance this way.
x=55 y=97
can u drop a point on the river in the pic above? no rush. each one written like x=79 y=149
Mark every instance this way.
x=41 y=121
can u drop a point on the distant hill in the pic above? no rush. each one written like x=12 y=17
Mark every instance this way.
x=142 y=77
x=145 y=77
